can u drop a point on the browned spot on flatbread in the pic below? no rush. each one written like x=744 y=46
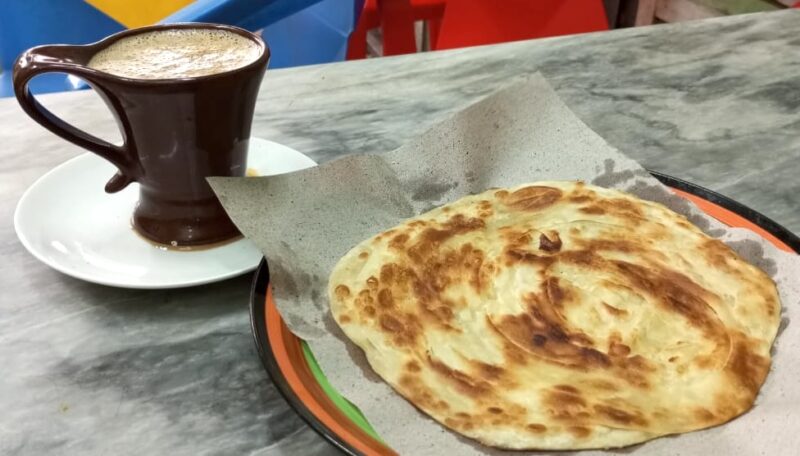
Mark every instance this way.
x=615 y=311
x=341 y=292
x=443 y=313
x=398 y=242
x=412 y=387
x=438 y=271
x=625 y=205
x=705 y=362
x=407 y=381
x=401 y=329
x=388 y=273
x=579 y=431
x=364 y=298
x=703 y=415
x=620 y=416
x=550 y=242
x=766 y=289
x=385 y=299
x=615 y=346
x=531 y=198
x=597 y=245
x=770 y=304
x=344 y=319
x=582 y=258
x=514 y=238
x=384 y=235
x=549 y=341
x=543 y=333
x=485 y=209
x=521 y=256
x=635 y=370
x=567 y=389
x=462 y=382
x=717 y=253
x=674 y=292
x=723 y=406
x=748 y=368
x=618 y=207
x=565 y=406
x=489 y=371
x=536 y=428
x=473 y=259
x=363 y=255
x=604 y=385
x=555 y=293
x=593 y=210
x=494 y=410
x=391 y=324
x=429 y=240
x=618 y=349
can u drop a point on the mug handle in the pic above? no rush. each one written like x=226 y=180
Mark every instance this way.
x=48 y=59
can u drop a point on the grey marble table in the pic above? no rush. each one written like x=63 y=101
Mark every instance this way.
x=87 y=369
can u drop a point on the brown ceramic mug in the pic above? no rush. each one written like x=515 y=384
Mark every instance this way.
x=175 y=132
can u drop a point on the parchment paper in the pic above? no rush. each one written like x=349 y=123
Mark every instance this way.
x=305 y=221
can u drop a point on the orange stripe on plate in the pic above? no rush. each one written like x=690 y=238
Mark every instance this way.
x=731 y=218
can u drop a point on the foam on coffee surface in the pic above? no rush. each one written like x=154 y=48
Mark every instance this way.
x=176 y=53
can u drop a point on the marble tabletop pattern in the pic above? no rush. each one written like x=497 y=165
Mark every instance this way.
x=88 y=369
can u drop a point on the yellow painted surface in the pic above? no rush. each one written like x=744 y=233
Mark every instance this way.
x=138 y=13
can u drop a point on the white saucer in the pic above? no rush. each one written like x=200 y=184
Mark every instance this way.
x=67 y=221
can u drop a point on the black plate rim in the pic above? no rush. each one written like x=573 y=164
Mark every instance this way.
x=258 y=325
x=769 y=225
x=261 y=279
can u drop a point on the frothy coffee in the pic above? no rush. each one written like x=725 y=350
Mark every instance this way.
x=176 y=53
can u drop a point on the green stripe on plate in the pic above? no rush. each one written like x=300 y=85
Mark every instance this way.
x=350 y=410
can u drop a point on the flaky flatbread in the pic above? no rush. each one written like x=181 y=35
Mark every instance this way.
x=559 y=315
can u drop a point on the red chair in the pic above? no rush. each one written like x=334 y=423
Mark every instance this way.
x=460 y=23
x=476 y=22
x=396 y=19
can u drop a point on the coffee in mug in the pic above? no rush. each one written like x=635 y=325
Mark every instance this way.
x=183 y=96
x=176 y=53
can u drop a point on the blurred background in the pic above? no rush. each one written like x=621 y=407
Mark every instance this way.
x=304 y=32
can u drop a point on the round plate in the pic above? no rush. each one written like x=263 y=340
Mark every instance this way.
x=67 y=221
x=292 y=367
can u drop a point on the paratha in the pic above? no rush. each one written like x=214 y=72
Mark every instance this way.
x=559 y=315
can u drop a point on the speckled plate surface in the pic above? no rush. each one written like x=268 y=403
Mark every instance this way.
x=292 y=367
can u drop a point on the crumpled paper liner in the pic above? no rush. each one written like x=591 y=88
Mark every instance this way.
x=305 y=221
